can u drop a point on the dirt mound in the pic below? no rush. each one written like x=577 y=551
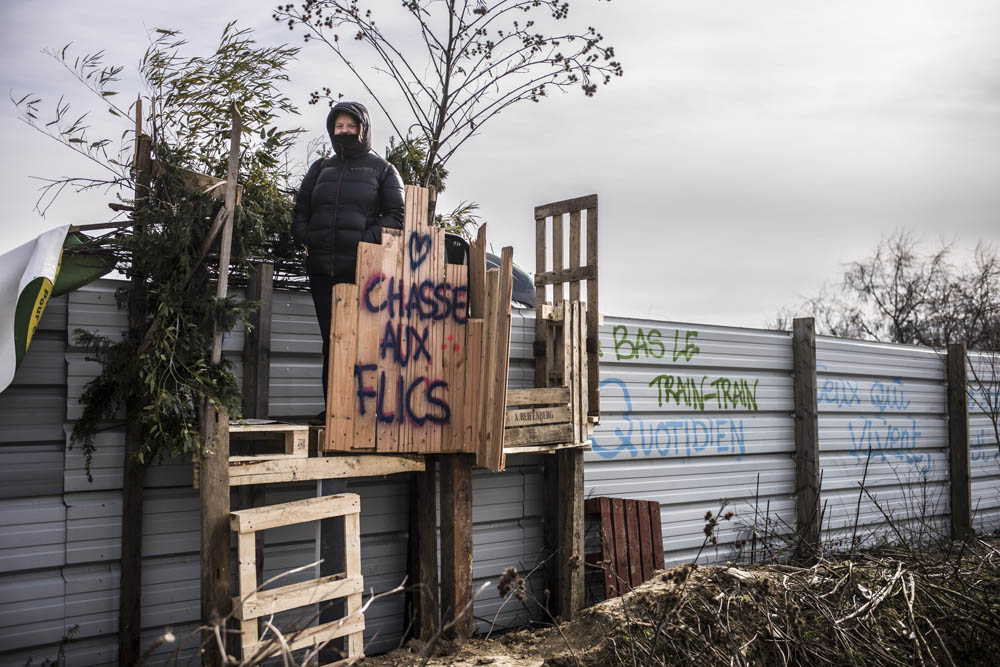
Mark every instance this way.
x=934 y=606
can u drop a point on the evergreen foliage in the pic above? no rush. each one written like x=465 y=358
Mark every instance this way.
x=188 y=101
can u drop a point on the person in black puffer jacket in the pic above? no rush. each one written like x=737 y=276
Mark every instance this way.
x=344 y=199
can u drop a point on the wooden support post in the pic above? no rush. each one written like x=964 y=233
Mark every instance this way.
x=806 y=438
x=456 y=544
x=216 y=601
x=422 y=584
x=541 y=328
x=593 y=316
x=257 y=345
x=569 y=558
x=257 y=378
x=958 y=443
x=133 y=470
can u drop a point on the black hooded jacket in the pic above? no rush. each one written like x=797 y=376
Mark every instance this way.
x=345 y=199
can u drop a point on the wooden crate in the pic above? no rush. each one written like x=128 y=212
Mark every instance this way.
x=548 y=418
x=538 y=419
x=253 y=603
x=631 y=541
x=294 y=436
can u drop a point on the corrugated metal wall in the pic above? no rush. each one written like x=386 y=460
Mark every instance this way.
x=59 y=547
x=884 y=408
x=32 y=513
x=984 y=450
x=692 y=416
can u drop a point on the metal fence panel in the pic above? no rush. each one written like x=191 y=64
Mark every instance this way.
x=984 y=449
x=883 y=442
x=695 y=417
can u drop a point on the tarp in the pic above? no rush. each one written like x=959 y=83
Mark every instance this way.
x=26 y=276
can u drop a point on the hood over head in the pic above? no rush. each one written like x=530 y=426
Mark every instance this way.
x=360 y=113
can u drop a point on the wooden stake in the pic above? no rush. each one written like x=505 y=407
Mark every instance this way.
x=806 y=438
x=134 y=471
x=958 y=443
x=570 y=561
x=214 y=470
x=593 y=317
x=257 y=344
x=456 y=543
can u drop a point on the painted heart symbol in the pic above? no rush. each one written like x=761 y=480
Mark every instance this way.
x=420 y=247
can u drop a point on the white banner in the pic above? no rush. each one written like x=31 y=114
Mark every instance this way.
x=26 y=276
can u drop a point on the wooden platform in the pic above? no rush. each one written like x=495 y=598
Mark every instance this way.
x=298 y=459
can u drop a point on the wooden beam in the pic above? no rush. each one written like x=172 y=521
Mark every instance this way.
x=134 y=470
x=538 y=396
x=551 y=448
x=537 y=435
x=558 y=293
x=565 y=206
x=593 y=318
x=456 y=544
x=632 y=535
x=537 y=416
x=214 y=490
x=299 y=511
x=214 y=467
x=570 y=561
x=559 y=276
x=477 y=275
x=287 y=469
x=540 y=346
x=574 y=252
x=246 y=553
x=498 y=395
x=806 y=438
x=958 y=443
x=257 y=343
x=352 y=561
x=304 y=593
x=423 y=531
x=314 y=636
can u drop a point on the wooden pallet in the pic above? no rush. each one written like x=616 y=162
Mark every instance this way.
x=582 y=268
x=253 y=604
x=631 y=541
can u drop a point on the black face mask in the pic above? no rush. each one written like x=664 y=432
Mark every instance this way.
x=348 y=145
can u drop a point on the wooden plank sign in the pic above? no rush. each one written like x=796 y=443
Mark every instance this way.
x=407 y=371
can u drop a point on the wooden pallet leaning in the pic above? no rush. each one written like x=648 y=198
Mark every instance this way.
x=631 y=541
x=253 y=604
x=547 y=357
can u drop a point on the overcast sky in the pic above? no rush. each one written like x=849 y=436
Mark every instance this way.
x=750 y=150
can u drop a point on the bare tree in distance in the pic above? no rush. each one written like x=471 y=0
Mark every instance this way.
x=903 y=293
x=474 y=59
